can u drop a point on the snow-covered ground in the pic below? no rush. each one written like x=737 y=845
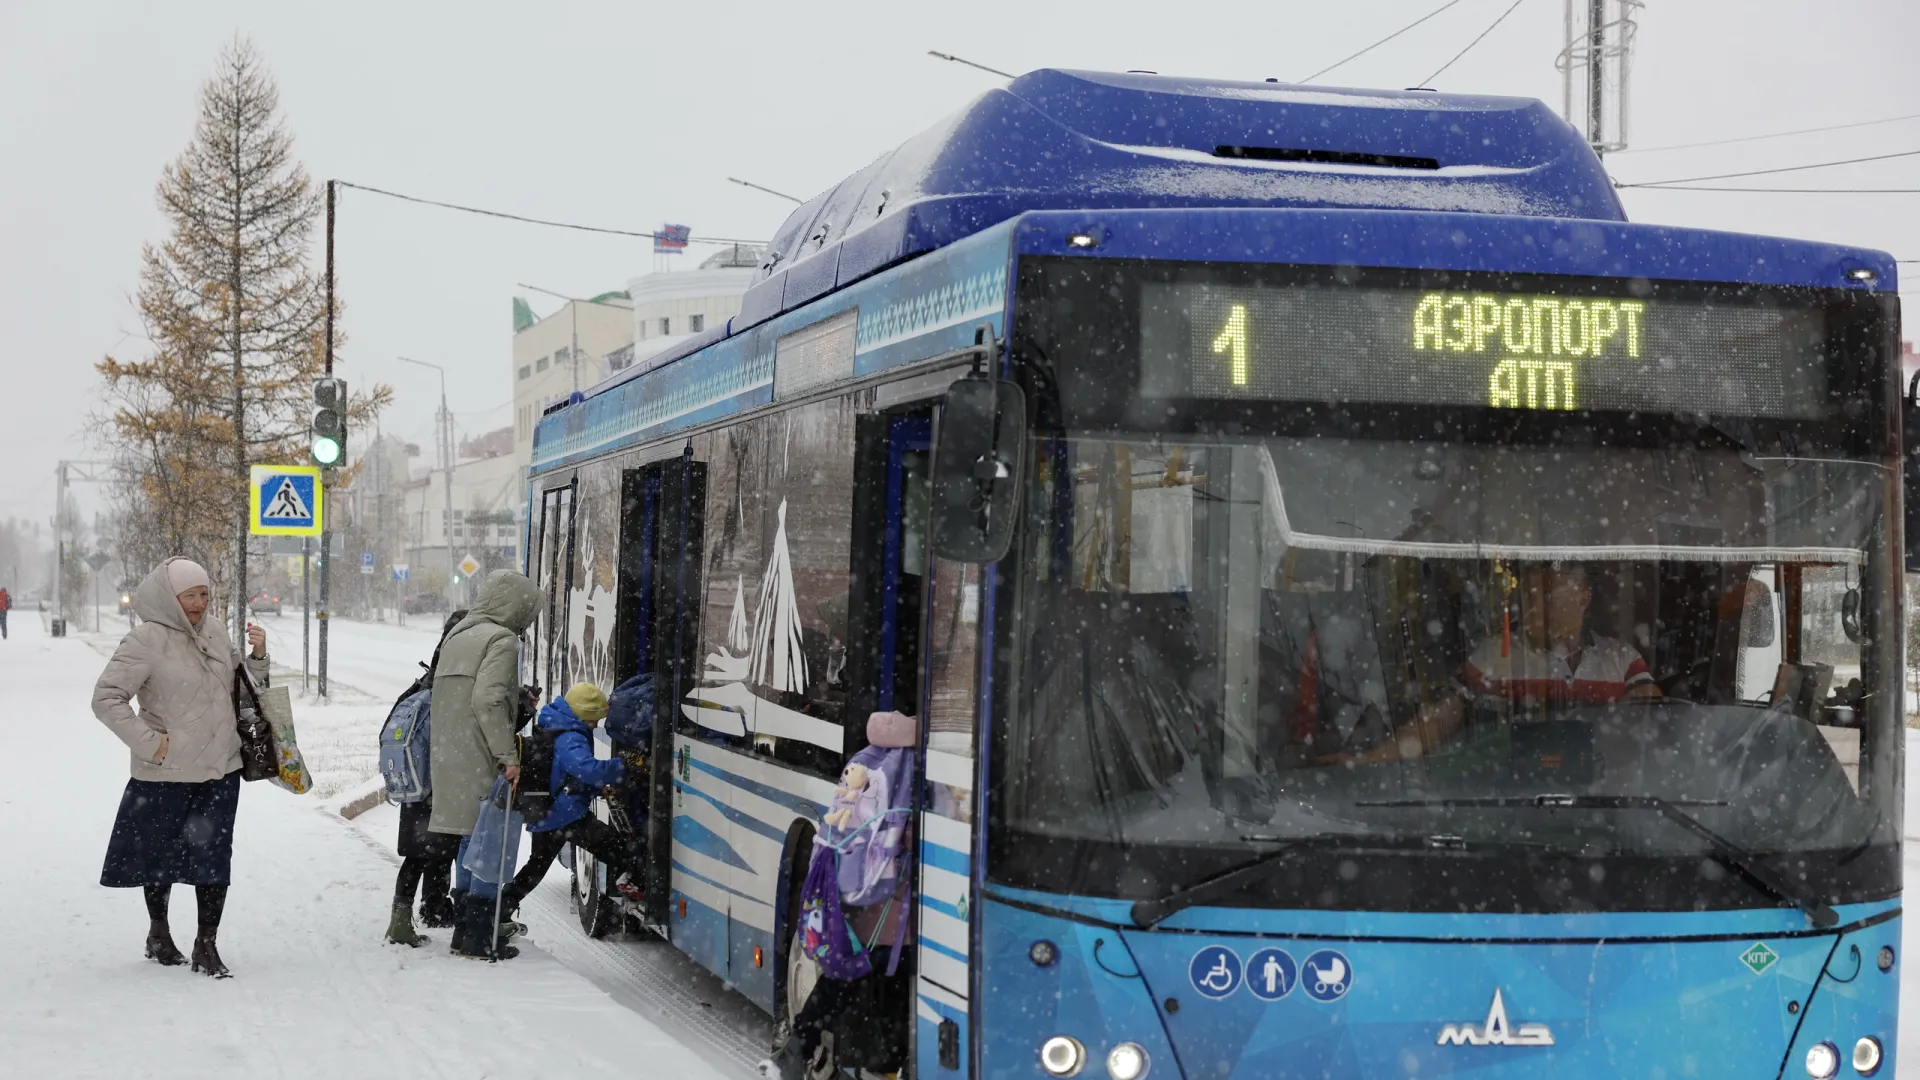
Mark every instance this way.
x=315 y=994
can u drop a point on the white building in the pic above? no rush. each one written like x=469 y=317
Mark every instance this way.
x=669 y=307
x=566 y=351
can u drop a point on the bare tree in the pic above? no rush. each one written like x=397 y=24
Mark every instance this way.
x=235 y=317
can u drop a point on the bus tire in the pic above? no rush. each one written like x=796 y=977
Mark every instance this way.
x=598 y=914
x=796 y=973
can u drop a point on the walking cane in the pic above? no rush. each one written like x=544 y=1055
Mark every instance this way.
x=500 y=887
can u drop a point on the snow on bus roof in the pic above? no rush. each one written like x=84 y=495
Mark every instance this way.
x=1056 y=139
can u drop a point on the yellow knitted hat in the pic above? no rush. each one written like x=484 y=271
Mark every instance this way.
x=588 y=702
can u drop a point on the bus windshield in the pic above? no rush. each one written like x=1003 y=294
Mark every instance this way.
x=1419 y=652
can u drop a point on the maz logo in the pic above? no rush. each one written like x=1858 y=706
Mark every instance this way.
x=1496 y=1031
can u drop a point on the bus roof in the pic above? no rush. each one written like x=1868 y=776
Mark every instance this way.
x=1062 y=140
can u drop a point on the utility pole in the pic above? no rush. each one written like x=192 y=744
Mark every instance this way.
x=445 y=431
x=326 y=521
x=89 y=471
x=1596 y=59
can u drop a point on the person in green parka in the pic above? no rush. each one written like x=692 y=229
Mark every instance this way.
x=476 y=705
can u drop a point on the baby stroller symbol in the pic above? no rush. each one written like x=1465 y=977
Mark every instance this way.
x=1215 y=971
x=1328 y=976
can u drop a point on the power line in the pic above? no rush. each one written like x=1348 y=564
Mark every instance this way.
x=1769 y=172
x=536 y=221
x=1382 y=41
x=1428 y=81
x=969 y=63
x=1769 y=135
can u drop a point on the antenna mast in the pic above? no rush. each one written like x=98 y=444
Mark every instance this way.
x=1594 y=68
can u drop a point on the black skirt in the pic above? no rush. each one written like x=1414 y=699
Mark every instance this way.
x=415 y=842
x=173 y=834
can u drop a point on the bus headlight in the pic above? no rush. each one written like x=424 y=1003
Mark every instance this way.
x=1866 y=1056
x=1063 y=1055
x=1823 y=1060
x=1128 y=1061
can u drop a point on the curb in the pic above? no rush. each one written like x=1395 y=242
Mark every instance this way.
x=365 y=801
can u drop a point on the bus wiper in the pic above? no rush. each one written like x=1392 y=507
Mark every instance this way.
x=1150 y=913
x=1746 y=863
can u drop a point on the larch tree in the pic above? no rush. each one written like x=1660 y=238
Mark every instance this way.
x=235 y=319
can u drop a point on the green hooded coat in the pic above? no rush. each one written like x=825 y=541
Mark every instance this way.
x=476 y=694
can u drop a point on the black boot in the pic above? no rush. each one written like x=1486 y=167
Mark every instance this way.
x=436 y=912
x=160 y=947
x=206 y=958
x=475 y=935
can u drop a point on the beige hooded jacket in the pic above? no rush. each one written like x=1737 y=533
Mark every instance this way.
x=476 y=696
x=183 y=679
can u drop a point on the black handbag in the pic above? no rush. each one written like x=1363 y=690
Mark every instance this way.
x=259 y=758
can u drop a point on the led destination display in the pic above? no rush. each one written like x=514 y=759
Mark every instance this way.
x=1504 y=350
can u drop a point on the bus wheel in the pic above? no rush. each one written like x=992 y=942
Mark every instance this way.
x=598 y=915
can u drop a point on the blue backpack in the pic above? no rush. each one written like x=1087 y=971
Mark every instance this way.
x=404 y=739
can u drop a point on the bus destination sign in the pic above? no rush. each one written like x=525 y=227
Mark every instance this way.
x=1501 y=350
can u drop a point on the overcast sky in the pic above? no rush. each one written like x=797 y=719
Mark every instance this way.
x=628 y=115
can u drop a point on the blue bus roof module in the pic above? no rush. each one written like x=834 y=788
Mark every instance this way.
x=1091 y=140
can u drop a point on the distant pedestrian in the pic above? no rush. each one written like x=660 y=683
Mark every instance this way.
x=426 y=858
x=6 y=605
x=176 y=817
x=476 y=709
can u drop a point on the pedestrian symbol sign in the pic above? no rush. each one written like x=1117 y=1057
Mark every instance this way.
x=285 y=500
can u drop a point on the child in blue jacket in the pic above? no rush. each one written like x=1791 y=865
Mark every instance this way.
x=577 y=777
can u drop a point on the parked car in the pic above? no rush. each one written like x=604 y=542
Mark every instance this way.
x=422 y=603
x=265 y=604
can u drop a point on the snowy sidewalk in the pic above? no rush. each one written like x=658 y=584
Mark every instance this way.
x=315 y=992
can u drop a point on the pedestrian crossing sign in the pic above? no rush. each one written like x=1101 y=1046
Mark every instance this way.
x=285 y=500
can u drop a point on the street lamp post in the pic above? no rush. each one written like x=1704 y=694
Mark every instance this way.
x=446 y=462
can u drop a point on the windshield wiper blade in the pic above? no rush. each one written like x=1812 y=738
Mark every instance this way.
x=1150 y=913
x=1746 y=863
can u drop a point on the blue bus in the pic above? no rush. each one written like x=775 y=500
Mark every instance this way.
x=1371 y=609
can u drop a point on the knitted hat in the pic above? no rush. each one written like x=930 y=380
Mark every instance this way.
x=184 y=574
x=588 y=702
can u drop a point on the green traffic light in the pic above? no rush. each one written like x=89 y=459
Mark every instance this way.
x=326 y=451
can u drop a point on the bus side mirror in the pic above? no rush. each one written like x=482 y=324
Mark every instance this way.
x=1910 y=470
x=976 y=470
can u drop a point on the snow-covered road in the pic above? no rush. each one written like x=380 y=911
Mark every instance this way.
x=315 y=994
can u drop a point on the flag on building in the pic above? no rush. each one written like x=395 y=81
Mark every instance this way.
x=671 y=239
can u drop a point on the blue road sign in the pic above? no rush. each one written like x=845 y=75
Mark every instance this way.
x=400 y=571
x=366 y=562
x=285 y=500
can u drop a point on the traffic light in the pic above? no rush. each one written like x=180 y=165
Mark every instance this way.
x=329 y=422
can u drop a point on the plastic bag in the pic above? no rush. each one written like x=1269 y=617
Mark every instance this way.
x=491 y=856
x=276 y=704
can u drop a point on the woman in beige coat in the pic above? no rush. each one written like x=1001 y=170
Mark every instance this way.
x=176 y=817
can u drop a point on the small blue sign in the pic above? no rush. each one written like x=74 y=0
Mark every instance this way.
x=1271 y=974
x=366 y=562
x=1327 y=976
x=400 y=571
x=1215 y=971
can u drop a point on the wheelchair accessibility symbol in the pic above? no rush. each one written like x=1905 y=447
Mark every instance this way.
x=1215 y=971
x=1326 y=976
